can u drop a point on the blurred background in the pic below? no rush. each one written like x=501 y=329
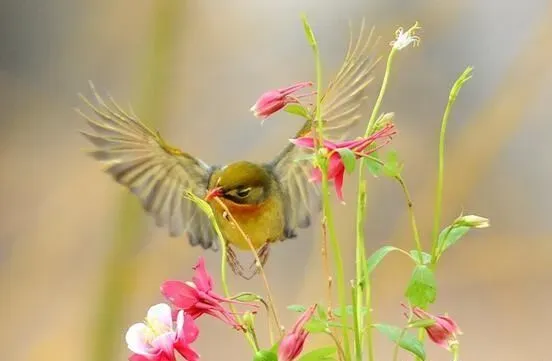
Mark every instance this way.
x=79 y=261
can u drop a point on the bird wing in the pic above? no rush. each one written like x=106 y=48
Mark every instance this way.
x=155 y=172
x=340 y=110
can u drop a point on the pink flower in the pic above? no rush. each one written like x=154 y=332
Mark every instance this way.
x=336 y=168
x=197 y=297
x=292 y=343
x=157 y=338
x=274 y=100
x=443 y=331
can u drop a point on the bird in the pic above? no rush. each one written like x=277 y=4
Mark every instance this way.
x=269 y=201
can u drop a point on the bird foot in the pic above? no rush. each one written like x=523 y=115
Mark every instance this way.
x=253 y=268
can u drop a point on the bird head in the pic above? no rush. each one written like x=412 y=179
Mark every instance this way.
x=240 y=182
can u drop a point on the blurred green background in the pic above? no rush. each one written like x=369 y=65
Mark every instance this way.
x=79 y=262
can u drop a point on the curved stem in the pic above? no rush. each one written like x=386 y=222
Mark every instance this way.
x=259 y=264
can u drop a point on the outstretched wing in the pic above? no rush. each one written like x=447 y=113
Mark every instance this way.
x=340 y=110
x=155 y=172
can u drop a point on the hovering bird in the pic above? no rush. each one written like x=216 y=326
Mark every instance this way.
x=269 y=201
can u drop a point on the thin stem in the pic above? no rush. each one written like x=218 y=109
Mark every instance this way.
x=326 y=262
x=338 y=260
x=464 y=77
x=379 y=100
x=338 y=345
x=263 y=275
x=403 y=332
x=224 y=256
x=356 y=325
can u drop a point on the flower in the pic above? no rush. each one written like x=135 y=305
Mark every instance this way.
x=473 y=221
x=274 y=100
x=443 y=332
x=404 y=39
x=292 y=343
x=197 y=297
x=156 y=339
x=336 y=167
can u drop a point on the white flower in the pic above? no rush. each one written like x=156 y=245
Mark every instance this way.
x=405 y=38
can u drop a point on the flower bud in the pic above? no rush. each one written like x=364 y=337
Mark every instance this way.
x=472 y=221
x=274 y=100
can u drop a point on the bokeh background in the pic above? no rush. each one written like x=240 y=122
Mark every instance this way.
x=79 y=261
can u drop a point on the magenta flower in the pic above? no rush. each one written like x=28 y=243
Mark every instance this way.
x=157 y=338
x=443 y=332
x=274 y=100
x=336 y=168
x=197 y=297
x=292 y=343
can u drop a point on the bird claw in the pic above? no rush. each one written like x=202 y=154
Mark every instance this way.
x=253 y=268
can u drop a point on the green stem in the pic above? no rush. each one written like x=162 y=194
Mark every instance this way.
x=465 y=76
x=338 y=260
x=377 y=105
x=327 y=211
x=356 y=325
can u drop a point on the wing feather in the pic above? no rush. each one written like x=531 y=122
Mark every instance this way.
x=155 y=172
x=340 y=110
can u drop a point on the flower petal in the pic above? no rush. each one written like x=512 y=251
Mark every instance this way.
x=137 y=339
x=187 y=330
x=165 y=343
x=160 y=314
x=137 y=357
x=338 y=185
x=188 y=353
x=303 y=142
x=179 y=294
x=202 y=279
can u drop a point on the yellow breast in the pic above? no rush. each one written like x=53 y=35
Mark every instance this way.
x=262 y=223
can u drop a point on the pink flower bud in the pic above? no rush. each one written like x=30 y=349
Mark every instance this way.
x=292 y=343
x=274 y=100
x=443 y=332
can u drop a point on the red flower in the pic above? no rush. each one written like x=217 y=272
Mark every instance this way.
x=157 y=338
x=336 y=168
x=443 y=331
x=274 y=100
x=197 y=297
x=292 y=343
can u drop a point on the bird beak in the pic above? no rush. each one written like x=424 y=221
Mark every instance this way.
x=213 y=193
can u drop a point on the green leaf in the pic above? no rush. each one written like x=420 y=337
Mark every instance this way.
x=247 y=297
x=308 y=32
x=392 y=166
x=265 y=355
x=421 y=323
x=378 y=256
x=297 y=109
x=316 y=326
x=426 y=257
x=407 y=342
x=297 y=308
x=422 y=288
x=348 y=158
x=450 y=235
x=321 y=354
x=322 y=313
x=374 y=167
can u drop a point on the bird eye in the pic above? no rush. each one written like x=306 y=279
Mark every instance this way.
x=243 y=192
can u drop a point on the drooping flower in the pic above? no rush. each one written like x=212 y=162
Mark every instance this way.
x=293 y=342
x=158 y=337
x=197 y=297
x=274 y=100
x=336 y=167
x=443 y=332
